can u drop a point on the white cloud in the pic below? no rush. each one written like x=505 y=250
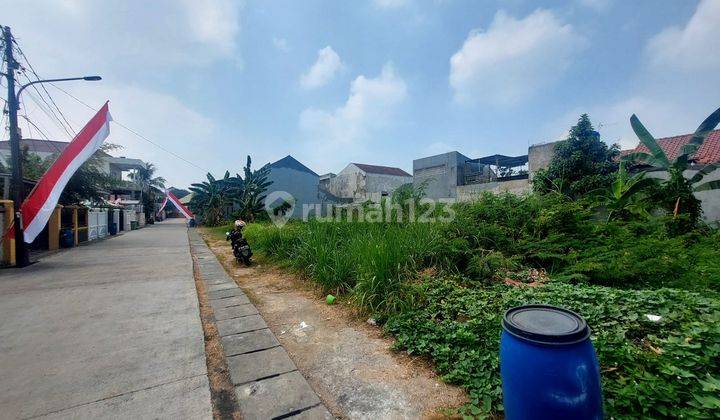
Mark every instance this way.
x=693 y=47
x=323 y=70
x=390 y=4
x=120 y=38
x=513 y=58
x=179 y=123
x=136 y=44
x=672 y=93
x=281 y=44
x=214 y=22
x=369 y=105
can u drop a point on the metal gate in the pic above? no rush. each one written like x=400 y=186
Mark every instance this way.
x=97 y=224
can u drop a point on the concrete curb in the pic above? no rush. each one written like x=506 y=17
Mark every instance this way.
x=267 y=383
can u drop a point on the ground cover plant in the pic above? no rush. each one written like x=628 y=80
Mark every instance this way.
x=441 y=288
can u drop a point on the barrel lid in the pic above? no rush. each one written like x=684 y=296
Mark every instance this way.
x=545 y=324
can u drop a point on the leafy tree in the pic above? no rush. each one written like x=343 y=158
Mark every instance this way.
x=677 y=193
x=582 y=163
x=89 y=183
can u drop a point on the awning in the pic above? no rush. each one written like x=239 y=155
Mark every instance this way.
x=502 y=160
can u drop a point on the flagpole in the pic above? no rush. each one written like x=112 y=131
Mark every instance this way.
x=22 y=259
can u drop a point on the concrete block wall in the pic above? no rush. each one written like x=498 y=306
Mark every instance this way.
x=539 y=156
x=441 y=174
x=471 y=192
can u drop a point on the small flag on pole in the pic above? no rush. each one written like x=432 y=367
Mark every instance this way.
x=39 y=205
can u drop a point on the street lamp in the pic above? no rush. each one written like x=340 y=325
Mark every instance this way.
x=67 y=79
x=22 y=259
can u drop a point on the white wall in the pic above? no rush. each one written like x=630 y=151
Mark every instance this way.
x=352 y=182
x=710 y=199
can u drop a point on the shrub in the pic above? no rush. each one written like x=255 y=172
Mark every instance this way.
x=669 y=368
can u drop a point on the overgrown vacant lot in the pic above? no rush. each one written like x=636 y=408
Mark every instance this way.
x=441 y=289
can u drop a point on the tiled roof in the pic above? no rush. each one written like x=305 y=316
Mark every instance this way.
x=384 y=170
x=38 y=146
x=709 y=151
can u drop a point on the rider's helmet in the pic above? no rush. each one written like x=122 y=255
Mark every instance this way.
x=239 y=224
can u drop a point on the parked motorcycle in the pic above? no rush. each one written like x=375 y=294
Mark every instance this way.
x=241 y=248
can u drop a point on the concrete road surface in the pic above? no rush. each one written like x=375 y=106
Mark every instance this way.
x=108 y=330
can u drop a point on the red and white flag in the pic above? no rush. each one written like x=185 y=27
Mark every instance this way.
x=39 y=205
x=163 y=205
x=181 y=208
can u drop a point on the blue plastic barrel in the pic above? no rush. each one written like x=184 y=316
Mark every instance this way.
x=67 y=238
x=548 y=365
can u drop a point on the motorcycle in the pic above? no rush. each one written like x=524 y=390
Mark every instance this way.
x=240 y=246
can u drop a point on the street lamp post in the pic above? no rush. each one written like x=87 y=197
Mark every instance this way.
x=21 y=255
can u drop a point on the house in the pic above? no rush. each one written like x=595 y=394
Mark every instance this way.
x=361 y=182
x=290 y=176
x=454 y=176
x=709 y=152
x=111 y=165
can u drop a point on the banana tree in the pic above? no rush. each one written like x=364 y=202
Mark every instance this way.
x=251 y=201
x=624 y=197
x=678 y=191
x=211 y=198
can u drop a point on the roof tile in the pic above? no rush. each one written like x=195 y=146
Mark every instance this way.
x=709 y=151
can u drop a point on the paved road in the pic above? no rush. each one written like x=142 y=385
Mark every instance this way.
x=110 y=329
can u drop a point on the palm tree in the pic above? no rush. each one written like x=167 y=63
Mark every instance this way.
x=150 y=185
x=678 y=192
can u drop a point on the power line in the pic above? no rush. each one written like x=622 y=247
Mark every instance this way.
x=131 y=130
x=48 y=110
x=37 y=76
x=51 y=116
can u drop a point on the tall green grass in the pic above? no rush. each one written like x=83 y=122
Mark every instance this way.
x=370 y=261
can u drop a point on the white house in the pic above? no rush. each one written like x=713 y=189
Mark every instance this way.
x=361 y=182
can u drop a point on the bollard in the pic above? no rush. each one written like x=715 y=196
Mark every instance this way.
x=548 y=365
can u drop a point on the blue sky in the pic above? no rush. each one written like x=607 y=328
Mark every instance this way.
x=377 y=81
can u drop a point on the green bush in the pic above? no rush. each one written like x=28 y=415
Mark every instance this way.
x=665 y=369
x=669 y=368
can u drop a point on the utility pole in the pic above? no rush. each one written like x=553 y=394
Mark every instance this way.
x=21 y=255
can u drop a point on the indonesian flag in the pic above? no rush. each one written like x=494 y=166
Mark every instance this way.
x=39 y=205
x=169 y=196
x=163 y=205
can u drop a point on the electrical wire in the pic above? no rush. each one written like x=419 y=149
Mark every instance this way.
x=37 y=76
x=64 y=123
x=131 y=130
x=49 y=110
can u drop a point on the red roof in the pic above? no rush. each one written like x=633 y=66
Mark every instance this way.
x=709 y=151
x=384 y=170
